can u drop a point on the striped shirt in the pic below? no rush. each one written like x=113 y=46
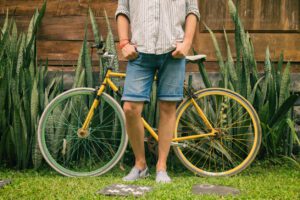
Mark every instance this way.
x=156 y=25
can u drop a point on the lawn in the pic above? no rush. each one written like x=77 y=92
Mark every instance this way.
x=260 y=181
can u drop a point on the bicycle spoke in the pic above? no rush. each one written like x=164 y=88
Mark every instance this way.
x=234 y=138
x=87 y=153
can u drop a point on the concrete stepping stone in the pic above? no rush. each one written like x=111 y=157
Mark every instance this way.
x=4 y=182
x=124 y=190
x=214 y=189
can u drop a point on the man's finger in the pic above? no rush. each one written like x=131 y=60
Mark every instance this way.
x=125 y=54
x=135 y=54
x=179 y=55
x=175 y=53
x=131 y=58
x=132 y=55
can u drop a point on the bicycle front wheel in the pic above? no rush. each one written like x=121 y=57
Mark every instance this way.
x=236 y=142
x=72 y=153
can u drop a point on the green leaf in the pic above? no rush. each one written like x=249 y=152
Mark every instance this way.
x=110 y=45
x=5 y=25
x=20 y=57
x=293 y=131
x=252 y=96
x=217 y=51
x=87 y=61
x=81 y=79
x=267 y=69
x=284 y=85
x=232 y=72
x=30 y=31
x=94 y=26
x=34 y=105
x=79 y=68
x=283 y=110
x=36 y=153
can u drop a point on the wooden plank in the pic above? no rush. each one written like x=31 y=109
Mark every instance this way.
x=27 y=8
x=288 y=43
x=60 y=7
x=256 y=15
x=73 y=27
x=22 y=22
x=209 y=66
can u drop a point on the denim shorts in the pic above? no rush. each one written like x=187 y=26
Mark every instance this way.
x=140 y=74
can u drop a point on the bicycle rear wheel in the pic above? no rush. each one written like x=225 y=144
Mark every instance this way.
x=235 y=145
x=65 y=148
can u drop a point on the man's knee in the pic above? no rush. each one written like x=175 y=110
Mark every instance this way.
x=167 y=107
x=133 y=109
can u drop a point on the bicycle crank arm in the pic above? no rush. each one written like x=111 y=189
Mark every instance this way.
x=177 y=144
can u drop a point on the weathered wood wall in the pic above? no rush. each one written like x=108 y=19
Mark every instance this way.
x=273 y=23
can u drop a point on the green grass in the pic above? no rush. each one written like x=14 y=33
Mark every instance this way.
x=262 y=181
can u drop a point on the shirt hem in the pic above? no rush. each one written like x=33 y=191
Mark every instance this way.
x=156 y=52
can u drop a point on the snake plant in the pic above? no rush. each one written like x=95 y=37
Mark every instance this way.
x=24 y=93
x=268 y=92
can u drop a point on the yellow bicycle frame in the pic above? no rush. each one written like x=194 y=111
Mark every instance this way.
x=107 y=80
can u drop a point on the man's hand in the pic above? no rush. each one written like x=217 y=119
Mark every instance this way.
x=182 y=49
x=129 y=52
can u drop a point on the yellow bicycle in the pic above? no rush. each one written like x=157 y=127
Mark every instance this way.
x=82 y=131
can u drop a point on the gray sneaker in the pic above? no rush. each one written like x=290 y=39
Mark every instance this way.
x=162 y=177
x=136 y=174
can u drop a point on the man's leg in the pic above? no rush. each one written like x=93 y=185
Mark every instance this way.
x=167 y=114
x=135 y=131
x=171 y=76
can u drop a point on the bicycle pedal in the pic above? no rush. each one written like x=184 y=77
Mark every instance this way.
x=184 y=145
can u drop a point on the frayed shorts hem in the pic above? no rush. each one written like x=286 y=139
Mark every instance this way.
x=135 y=98
x=170 y=98
x=145 y=99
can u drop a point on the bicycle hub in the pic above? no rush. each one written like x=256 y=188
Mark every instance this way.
x=83 y=133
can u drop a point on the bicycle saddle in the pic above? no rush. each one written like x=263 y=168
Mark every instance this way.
x=195 y=58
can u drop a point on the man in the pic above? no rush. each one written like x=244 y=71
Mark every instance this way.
x=162 y=33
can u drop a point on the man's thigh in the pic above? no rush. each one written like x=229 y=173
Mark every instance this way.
x=171 y=77
x=139 y=78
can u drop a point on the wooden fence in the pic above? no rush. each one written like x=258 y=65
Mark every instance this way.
x=273 y=23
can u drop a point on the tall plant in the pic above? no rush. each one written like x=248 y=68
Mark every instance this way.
x=269 y=93
x=24 y=93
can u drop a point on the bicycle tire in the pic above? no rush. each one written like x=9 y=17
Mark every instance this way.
x=188 y=162
x=60 y=164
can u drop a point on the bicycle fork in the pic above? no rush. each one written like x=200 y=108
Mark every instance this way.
x=83 y=131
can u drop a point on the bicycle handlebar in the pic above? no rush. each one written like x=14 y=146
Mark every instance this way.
x=101 y=51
